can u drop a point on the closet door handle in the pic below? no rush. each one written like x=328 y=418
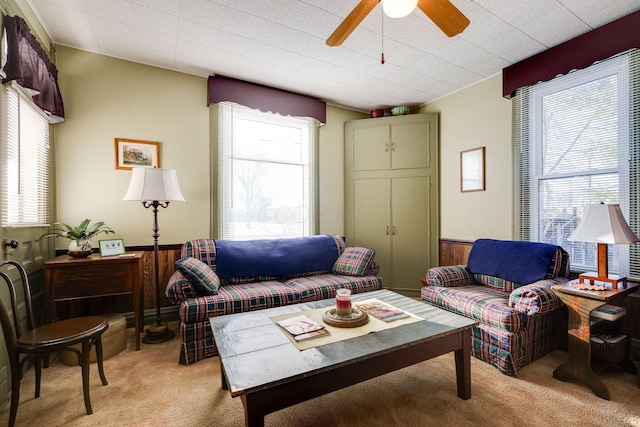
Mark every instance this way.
x=387 y=230
x=393 y=230
x=386 y=147
x=393 y=146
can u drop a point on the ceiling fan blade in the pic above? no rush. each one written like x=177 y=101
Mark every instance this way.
x=445 y=15
x=350 y=23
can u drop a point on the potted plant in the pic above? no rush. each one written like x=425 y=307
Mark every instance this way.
x=80 y=236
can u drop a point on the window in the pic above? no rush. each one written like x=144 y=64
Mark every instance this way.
x=576 y=137
x=25 y=161
x=267 y=174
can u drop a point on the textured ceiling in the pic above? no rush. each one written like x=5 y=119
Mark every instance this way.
x=281 y=43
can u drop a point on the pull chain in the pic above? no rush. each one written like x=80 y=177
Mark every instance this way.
x=382 y=34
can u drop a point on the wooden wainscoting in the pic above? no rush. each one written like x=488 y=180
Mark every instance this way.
x=454 y=252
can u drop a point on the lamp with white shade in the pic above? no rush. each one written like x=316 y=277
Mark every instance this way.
x=155 y=187
x=603 y=224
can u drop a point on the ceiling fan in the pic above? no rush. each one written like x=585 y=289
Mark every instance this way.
x=442 y=12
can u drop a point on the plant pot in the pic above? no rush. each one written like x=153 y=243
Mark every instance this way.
x=80 y=248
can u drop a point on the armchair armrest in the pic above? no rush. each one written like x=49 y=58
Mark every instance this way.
x=449 y=276
x=536 y=298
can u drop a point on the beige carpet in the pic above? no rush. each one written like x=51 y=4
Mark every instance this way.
x=149 y=388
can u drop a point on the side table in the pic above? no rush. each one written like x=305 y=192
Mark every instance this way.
x=68 y=278
x=580 y=304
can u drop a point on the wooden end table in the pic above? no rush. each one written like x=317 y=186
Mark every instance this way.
x=580 y=304
x=68 y=278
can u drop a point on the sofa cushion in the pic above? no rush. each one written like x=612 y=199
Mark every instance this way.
x=354 y=261
x=203 y=278
x=323 y=286
x=237 y=299
x=484 y=304
x=514 y=261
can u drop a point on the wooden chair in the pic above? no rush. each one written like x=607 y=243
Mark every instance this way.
x=38 y=342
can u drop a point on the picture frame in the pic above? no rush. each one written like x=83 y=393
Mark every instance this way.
x=472 y=170
x=134 y=153
x=111 y=247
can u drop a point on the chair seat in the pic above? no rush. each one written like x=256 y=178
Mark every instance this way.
x=63 y=333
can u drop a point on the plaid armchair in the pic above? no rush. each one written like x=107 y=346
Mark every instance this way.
x=516 y=320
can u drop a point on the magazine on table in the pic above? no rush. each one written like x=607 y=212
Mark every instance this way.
x=382 y=311
x=303 y=327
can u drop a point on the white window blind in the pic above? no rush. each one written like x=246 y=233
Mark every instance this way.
x=25 y=161
x=577 y=144
x=267 y=174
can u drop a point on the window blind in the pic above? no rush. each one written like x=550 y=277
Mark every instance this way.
x=577 y=144
x=267 y=174
x=25 y=161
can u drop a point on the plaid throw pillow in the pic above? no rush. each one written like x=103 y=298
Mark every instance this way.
x=203 y=278
x=354 y=261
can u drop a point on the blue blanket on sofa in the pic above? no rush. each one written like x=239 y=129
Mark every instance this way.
x=517 y=261
x=275 y=257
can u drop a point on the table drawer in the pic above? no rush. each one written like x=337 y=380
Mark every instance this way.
x=91 y=281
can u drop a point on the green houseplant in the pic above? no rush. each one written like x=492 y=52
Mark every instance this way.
x=79 y=236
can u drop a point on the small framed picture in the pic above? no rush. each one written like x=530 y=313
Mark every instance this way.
x=111 y=247
x=133 y=153
x=472 y=170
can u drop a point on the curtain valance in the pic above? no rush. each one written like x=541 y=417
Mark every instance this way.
x=29 y=66
x=580 y=52
x=264 y=98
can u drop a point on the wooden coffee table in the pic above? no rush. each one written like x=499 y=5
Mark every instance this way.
x=252 y=350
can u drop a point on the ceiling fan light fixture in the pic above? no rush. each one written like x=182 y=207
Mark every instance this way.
x=398 y=8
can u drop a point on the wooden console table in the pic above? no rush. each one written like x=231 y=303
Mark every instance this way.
x=68 y=278
x=580 y=304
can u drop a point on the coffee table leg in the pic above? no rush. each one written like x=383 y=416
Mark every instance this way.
x=223 y=377
x=463 y=366
x=252 y=417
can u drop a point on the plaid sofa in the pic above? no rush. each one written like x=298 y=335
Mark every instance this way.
x=516 y=321
x=355 y=268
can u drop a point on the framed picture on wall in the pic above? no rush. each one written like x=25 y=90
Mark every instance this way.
x=472 y=170
x=133 y=153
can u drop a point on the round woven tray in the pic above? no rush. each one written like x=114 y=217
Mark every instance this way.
x=357 y=318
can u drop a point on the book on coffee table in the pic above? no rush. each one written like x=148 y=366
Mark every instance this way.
x=301 y=325
x=382 y=311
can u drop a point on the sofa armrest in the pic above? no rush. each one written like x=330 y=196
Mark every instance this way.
x=179 y=288
x=536 y=298
x=449 y=276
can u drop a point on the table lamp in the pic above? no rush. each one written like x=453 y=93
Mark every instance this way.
x=603 y=224
x=155 y=187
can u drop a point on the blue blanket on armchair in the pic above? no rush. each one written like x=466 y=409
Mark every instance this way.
x=275 y=257
x=517 y=261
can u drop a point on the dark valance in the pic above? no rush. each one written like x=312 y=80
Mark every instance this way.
x=29 y=66
x=265 y=98
x=581 y=52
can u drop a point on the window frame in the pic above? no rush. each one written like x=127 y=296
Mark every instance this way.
x=529 y=174
x=227 y=112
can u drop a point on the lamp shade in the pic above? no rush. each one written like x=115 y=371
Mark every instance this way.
x=604 y=224
x=153 y=184
x=398 y=8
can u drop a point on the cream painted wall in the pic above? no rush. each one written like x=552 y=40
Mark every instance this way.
x=331 y=165
x=475 y=117
x=107 y=98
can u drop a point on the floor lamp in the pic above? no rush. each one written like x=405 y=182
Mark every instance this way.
x=604 y=225
x=155 y=187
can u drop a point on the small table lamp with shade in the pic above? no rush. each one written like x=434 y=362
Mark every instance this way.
x=155 y=187
x=603 y=224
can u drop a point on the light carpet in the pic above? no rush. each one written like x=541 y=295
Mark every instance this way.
x=149 y=388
